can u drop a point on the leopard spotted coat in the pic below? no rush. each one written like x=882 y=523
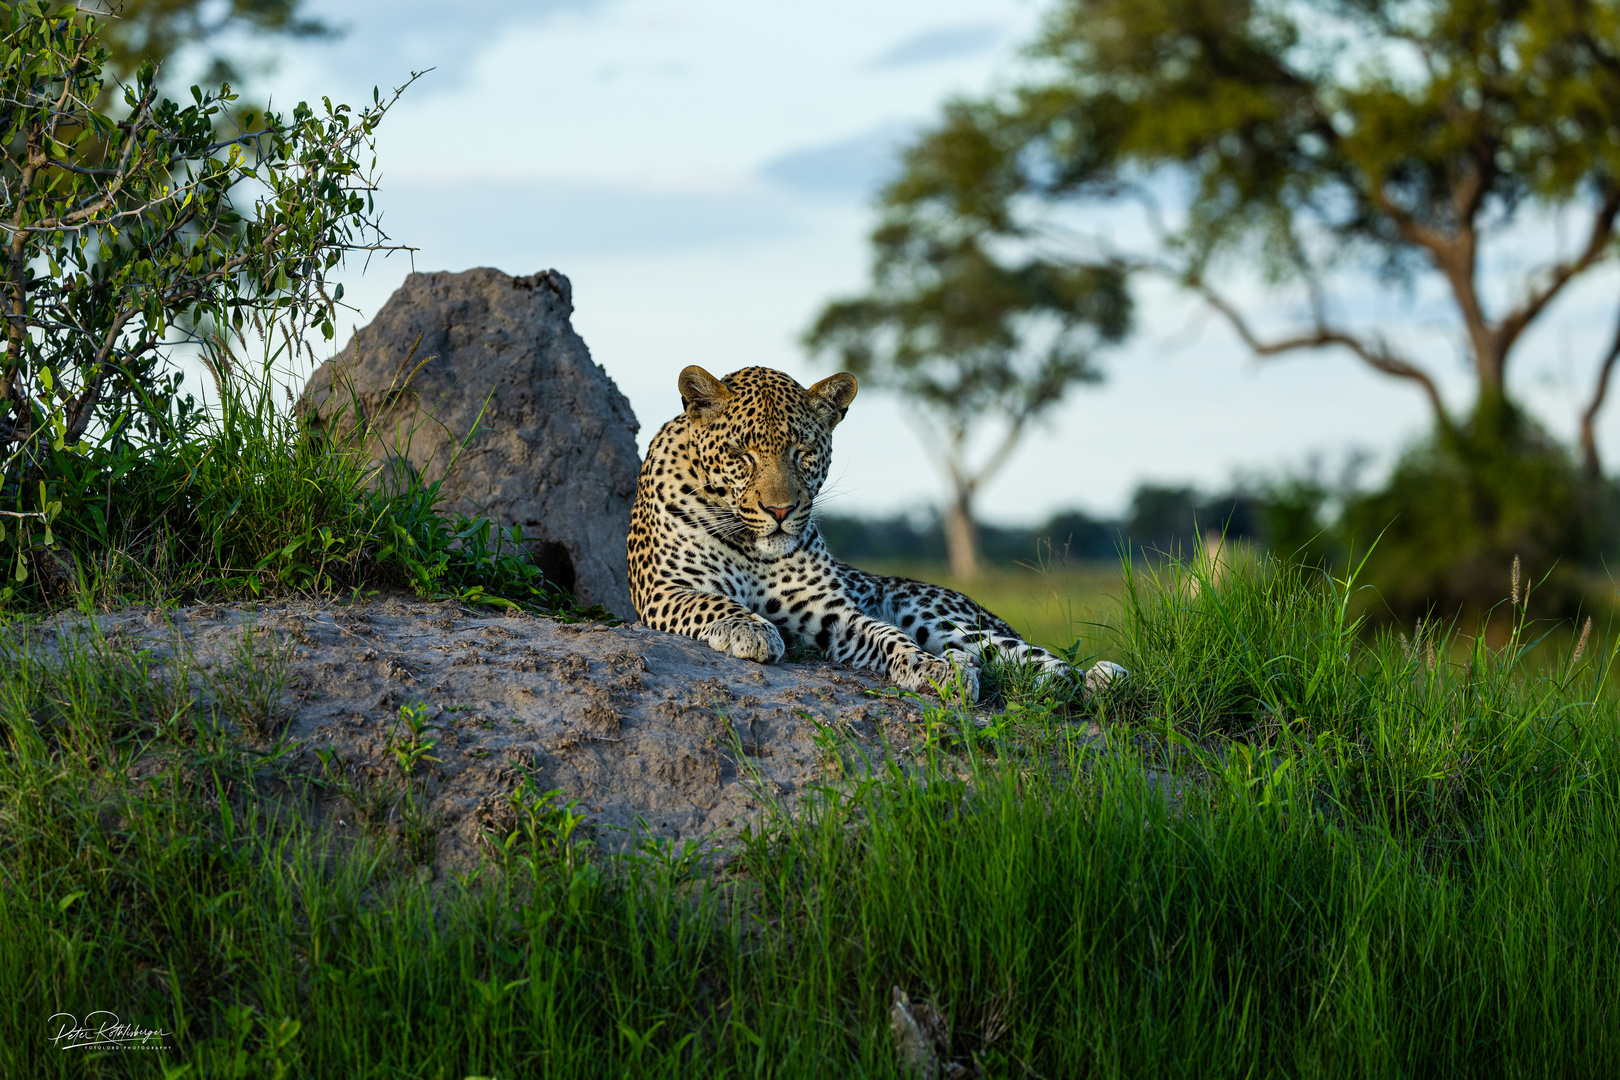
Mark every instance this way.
x=723 y=547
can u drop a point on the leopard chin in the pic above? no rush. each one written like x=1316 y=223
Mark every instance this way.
x=777 y=544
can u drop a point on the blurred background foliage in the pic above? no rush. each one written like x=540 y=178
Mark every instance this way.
x=1438 y=538
x=136 y=32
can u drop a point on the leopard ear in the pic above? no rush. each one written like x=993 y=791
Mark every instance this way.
x=832 y=396
x=702 y=395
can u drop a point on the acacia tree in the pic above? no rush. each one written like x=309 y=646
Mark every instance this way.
x=973 y=333
x=1345 y=134
x=128 y=238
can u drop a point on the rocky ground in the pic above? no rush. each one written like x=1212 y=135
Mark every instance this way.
x=649 y=733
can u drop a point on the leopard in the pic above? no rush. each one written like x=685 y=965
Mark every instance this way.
x=724 y=547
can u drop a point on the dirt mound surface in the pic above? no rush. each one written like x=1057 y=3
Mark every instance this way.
x=653 y=735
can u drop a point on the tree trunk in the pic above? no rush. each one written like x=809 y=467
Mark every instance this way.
x=1590 y=461
x=962 y=537
x=1495 y=424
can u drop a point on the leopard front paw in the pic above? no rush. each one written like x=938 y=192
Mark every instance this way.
x=942 y=674
x=749 y=637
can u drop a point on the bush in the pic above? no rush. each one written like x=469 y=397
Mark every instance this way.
x=134 y=238
x=250 y=503
x=1459 y=509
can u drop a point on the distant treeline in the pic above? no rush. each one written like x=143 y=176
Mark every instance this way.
x=1160 y=519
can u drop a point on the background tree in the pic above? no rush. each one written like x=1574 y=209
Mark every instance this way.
x=976 y=342
x=1313 y=141
x=136 y=32
x=127 y=239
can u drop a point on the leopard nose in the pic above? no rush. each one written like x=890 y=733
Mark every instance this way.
x=780 y=513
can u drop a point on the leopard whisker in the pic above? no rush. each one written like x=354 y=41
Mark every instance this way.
x=818 y=505
x=827 y=493
x=722 y=521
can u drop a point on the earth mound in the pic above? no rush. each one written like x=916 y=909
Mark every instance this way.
x=652 y=735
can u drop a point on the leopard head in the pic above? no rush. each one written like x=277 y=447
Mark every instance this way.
x=762 y=443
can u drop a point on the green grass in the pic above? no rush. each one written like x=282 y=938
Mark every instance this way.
x=1301 y=850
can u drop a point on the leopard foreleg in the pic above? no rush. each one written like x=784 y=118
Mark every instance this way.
x=725 y=624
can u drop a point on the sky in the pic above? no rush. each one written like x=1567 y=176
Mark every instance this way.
x=704 y=173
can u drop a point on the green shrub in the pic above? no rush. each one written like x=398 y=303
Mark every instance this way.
x=1457 y=511
x=249 y=503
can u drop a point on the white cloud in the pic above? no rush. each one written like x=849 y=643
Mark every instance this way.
x=506 y=221
x=941 y=43
x=850 y=168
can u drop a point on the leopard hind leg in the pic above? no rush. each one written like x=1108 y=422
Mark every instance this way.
x=943 y=620
x=940 y=620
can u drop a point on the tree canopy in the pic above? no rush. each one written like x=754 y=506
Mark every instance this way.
x=1310 y=139
x=978 y=332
